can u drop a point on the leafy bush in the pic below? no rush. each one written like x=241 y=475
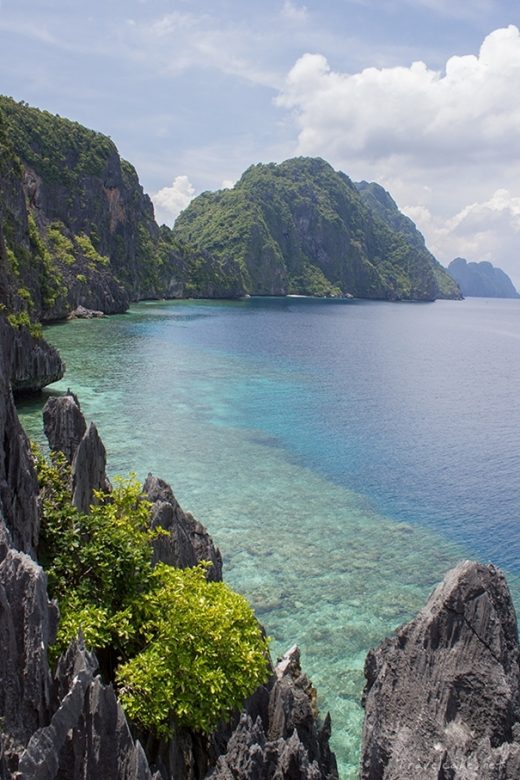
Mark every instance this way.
x=185 y=648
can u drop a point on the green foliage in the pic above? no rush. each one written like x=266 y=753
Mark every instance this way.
x=204 y=653
x=61 y=245
x=188 y=649
x=90 y=252
x=21 y=319
x=59 y=150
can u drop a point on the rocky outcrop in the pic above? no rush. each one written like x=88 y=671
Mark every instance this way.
x=64 y=425
x=27 y=626
x=30 y=363
x=18 y=484
x=481 y=280
x=67 y=432
x=88 y=469
x=187 y=542
x=88 y=735
x=442 y=697
x=283 y=741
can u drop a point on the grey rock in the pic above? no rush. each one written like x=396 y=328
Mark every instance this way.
x=188 y=542
x=67 y=432
x=82 y=313
x=88 y=469
x=31 y=363
x=442 y=698
x=28 y=624
x=18 y=483
x=88 y=736
x=64 y=425
x=286 y=742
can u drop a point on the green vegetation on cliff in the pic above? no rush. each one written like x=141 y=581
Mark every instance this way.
x=302 y=227
x=77 y=228
x=178 y=646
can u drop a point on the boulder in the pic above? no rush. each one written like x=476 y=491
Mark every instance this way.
x=442 y=696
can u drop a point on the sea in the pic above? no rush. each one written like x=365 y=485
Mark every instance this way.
x=343 y=454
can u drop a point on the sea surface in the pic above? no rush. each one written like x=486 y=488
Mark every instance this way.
x=343 y=454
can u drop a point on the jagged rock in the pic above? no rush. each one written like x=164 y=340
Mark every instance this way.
x=442 y=698
x=88 y=737
x=286 y=742
x=88 y=469
x=67 y=432
x=188 y=541
x=64 y=425
x=28 y=624
x=18 y=483
x=31 y=363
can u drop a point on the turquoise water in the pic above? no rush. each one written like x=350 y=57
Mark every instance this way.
x=343 y=454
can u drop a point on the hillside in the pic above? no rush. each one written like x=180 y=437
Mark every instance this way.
x=381 y=203
x=481 y=280
x=300 y=227
x=76 y=226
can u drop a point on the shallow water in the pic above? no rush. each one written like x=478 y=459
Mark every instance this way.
x=342 y=454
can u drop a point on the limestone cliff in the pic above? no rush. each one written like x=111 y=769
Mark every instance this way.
x=76 y=228
x=442 y=697
x=301 y=227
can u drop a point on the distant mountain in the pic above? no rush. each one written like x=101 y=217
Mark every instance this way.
x=481 y=280
x=300 y=227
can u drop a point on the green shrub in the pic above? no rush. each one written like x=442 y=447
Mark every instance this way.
x=187 y=649
x=204 y=653
x=88 y=249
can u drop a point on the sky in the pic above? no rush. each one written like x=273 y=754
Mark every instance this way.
x=422 y=96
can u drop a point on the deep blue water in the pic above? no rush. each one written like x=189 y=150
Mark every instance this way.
x=343 y=454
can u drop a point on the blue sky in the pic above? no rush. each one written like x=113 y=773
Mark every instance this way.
x=193 y=92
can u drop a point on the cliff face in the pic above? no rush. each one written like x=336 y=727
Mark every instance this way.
x=300 y=227
x=381 y=203
x=442 y=698
x=481 y=280
x=76 y=228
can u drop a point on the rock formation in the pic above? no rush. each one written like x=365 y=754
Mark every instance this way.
x=283 y=739
x=70 y=724
x=187 y=542
x=442 y=697
x=481 y=280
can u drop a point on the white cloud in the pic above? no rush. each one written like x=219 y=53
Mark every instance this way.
x=447 y=143
x=471 y=109
x=170 y=201
x=488 y=230
x=179 y=41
